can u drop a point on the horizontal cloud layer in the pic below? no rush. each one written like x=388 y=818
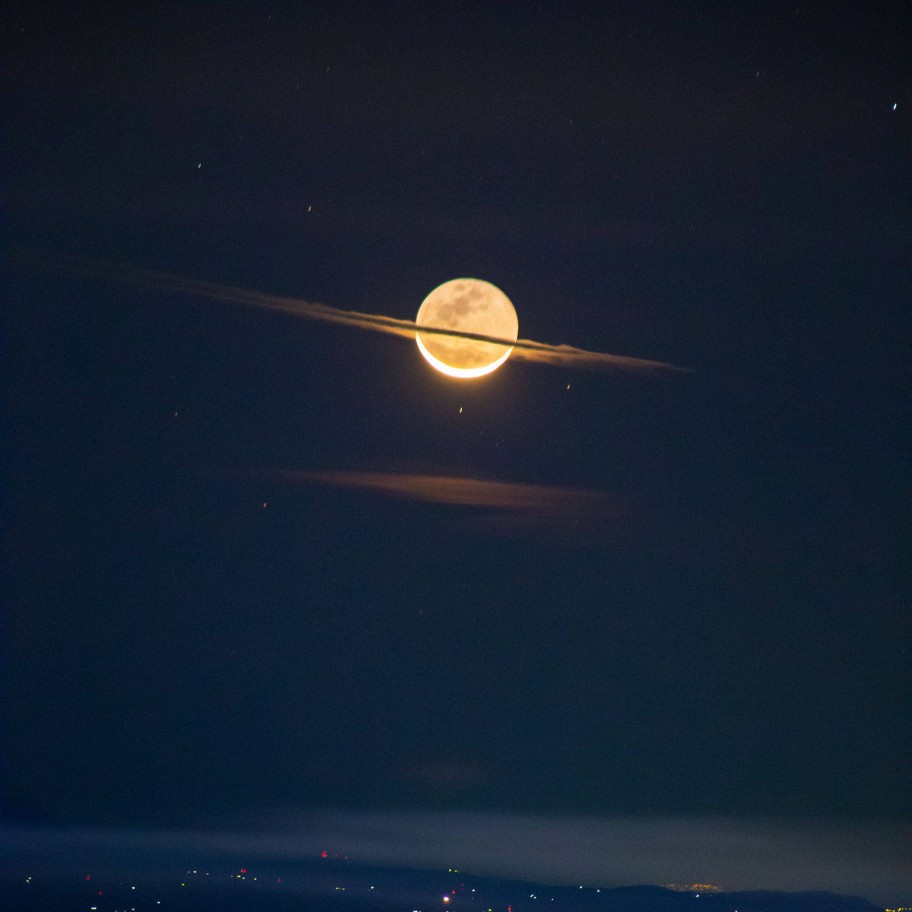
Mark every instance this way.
x=523 y=349
x=457 y=490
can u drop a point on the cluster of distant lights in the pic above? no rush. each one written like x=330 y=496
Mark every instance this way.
x=694 y=888
x=446 y=899
x=243 y=873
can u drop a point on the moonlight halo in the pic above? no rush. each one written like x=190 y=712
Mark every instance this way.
x=466 y=306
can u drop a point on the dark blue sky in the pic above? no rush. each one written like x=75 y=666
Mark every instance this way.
x=717 y=622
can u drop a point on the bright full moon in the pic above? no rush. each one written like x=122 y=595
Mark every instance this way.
x=466 y=306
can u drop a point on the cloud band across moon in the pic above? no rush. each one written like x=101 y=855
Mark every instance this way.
x=523 y=349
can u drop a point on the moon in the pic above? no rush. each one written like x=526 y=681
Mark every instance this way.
x=466 y=306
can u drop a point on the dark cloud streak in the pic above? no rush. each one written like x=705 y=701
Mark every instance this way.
x=523 y=349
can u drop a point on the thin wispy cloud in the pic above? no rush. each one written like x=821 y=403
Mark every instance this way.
x=564 y=514
x=523 y=349
x=462 y=491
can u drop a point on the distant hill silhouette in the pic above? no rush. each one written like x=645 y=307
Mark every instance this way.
x=341 y=887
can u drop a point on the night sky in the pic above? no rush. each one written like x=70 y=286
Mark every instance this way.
x=256 y=563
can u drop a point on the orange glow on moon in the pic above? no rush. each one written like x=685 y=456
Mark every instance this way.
x=466 y=306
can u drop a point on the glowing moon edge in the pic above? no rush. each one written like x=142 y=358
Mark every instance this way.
x=461 y=373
